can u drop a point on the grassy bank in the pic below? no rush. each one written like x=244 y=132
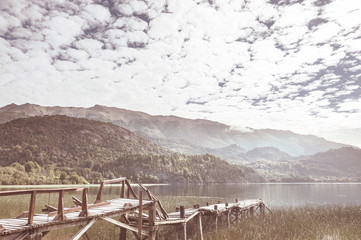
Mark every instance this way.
x=313 y=223
x=333 y=222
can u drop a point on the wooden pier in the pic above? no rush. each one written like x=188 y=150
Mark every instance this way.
x=129 y=212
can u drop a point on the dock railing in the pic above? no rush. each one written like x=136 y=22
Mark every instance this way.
x=124 y=183
x=60 y=209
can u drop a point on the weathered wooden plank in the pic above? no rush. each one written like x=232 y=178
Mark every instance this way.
x=140 y=220
x=51 y=190
x=84 y=229
x=75 y=209
x=123 y=225
x=22 y=236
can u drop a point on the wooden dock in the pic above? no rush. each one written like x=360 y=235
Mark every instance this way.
x=129 y=209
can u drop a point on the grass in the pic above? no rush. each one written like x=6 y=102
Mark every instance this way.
x=330 y=222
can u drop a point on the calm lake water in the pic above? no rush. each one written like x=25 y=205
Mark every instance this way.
x=274 y=195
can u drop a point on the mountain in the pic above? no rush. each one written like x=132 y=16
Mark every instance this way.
x=266 y=153
x=183 y=135
x=336 y=163
x=61 y=149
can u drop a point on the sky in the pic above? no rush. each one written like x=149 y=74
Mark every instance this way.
x=280 y=64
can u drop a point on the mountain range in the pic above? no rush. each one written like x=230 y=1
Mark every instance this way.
x=276 y=154
x=180 y=134
x=61 y=149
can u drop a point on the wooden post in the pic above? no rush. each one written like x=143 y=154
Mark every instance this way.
x=216 y=222
x=122 y=192
x=236 y=200
x=61 y=205
x=200 y=226
x=130 y=190
x=182 y=232
x=31 y=207
x=182 y=213
x=251 y=211
x=100 y=193
x=123 y=231
x=228 y=218
x=84 y=206
x=237 y=215
x=185 y=230
x=140 y=214
x=152 y=218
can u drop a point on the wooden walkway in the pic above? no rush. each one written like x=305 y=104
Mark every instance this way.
x=30 y=225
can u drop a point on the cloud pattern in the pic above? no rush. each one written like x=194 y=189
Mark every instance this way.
x=284 y=64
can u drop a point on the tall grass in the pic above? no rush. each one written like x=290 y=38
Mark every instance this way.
x=332 y=222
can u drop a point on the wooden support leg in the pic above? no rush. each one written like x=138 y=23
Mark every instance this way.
x=228 y=218
x=85 y=235
x=140 y=222
x=152 y=217
x=84 y=229
x=31 y=208
x=183 y=231
x=216 y=221
x=251 y=210
x=123 y=231
x=237 y=216
x=200 y=226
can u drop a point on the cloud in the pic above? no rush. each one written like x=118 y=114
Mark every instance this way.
x=248 y=63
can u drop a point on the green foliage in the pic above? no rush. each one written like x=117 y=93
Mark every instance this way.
x=64 y=150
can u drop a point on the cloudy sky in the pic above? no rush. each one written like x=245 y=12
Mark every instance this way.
x=281 y=64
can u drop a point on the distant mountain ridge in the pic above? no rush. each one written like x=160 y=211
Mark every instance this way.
x=61 y=149
x=181 y=134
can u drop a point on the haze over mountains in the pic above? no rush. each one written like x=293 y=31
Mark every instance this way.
x=277 y=155
x=181 y=134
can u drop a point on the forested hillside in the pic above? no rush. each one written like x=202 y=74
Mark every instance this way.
x=60 y=149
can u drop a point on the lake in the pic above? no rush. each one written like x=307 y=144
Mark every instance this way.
x=273 y=194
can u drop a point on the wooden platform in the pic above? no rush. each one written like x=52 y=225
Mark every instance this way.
x=45 y=222
x=33 y=226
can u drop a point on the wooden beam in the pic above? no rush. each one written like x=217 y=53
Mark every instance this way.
x=84 y=229
x=152 y=218
x=122 y=191
x=192 y=216
x=200 y=228
x=22 y=236
x=185 y=230
x=100 y=193
x=76 y=201
x=123 y=231
x=75 y=209
x=152 y=197
x=85 y=235
x=123 y=225
x=38 y=191
x=130 y=189
x=32 y=207
x=84 y=204
x=115 y=180
x=140 y=222
x=61 y=205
